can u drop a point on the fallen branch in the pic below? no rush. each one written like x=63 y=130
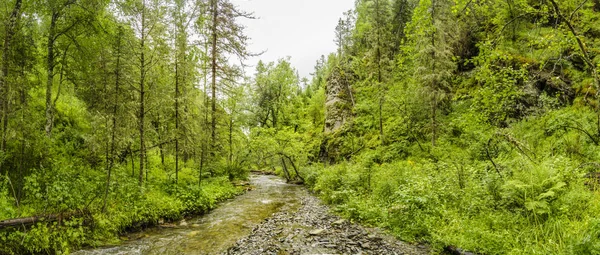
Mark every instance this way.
x=35 y=219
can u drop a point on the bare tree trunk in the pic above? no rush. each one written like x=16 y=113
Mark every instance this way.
x=161 y=148
x=106 y=124
x=22 y=152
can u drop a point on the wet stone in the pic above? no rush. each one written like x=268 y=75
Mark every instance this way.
x=307 y=231
x=317 y=232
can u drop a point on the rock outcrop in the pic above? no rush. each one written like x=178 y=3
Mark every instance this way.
x=339 y=100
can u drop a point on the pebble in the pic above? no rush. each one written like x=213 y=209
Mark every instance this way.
x=314 y=230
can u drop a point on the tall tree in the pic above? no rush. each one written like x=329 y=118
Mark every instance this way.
x=115 y=108
x=184 y=13
x=374 y=36
x=11 y=26
x=145 y=16
x=226 y=38
x=64 y=17
x=434 y=57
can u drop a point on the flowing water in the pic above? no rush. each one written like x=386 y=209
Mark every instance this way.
x=214 y=232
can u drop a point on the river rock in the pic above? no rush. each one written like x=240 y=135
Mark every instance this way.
x=365 y=245
x=338 y=222
x=309 y=231
x=316 y=232
x=374 y=238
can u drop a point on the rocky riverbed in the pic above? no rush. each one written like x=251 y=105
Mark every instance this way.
x=273 y=217
x=312 y=229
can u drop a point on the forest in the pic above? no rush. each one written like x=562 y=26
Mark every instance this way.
x=453 y=123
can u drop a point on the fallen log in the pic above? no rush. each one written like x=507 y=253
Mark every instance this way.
x=26 y=221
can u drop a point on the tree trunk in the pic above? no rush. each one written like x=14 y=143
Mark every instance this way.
x=434 y=83
x=205 y=121
x=285 y=170
x=161 y=148
x=142 y=95
x=176 y=121
x=379 y=77
x=230 y=156
x=4 y=87
x=434 y=120
x=114 y=120
x=50 y=75
x=132 y=160
x=214 y=77
x=32 y=220
x=295 y=168
x=201 y=166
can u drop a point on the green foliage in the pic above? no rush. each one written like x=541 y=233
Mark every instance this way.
x=539 y=205
x=469 y=123
x=128 y=209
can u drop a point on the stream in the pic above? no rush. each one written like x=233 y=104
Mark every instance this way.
x=273 y=218
x=214 y=232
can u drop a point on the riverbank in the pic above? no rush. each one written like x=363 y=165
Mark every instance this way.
x=217 y=230
x=133 y=211
x=274 y=217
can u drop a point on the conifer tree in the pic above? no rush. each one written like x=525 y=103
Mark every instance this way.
x=433 y=59
x=225 y=38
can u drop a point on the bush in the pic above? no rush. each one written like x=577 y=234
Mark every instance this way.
x=533 y=201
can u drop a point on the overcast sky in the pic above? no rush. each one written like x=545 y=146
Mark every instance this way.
x=301 y=29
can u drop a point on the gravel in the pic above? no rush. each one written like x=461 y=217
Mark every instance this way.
x=312 y=229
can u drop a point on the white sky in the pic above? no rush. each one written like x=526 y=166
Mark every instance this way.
x=301 y=29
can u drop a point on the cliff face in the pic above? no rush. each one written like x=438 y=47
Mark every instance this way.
x=338 y=101
x=338 y=114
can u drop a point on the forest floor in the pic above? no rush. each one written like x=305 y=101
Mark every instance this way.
x=313 y=229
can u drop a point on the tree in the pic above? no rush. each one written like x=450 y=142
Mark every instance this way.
x=10 y=30
x=434 y=58
x=274 y=87
x=343 y=33
x=145 y=16
x=226 y=38
x=65 y=16
x=374 y=36
x=401 y=15
x=115 y=107
x=183 y=14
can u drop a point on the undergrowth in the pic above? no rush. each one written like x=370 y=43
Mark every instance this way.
x=516 y=190
x=129 y=208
